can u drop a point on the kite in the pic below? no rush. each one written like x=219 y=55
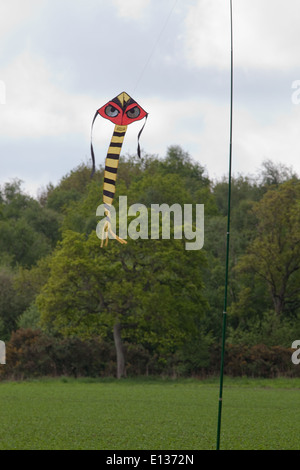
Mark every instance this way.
x=122 y=111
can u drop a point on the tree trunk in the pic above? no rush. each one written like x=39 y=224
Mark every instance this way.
x=121 y=370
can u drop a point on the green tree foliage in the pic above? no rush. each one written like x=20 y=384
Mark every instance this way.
x=158 y=305
x=148 y=293
x=11 y=304
x=274 y=254
x=28 y=232
x=274 y=174
x=268 y=301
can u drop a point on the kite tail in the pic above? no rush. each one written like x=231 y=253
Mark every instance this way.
x=110 y=177
x=92 y=149
x=108 y=231
x=139 y=135
x=111 y=164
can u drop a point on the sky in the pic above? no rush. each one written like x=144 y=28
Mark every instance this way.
x=61 y=60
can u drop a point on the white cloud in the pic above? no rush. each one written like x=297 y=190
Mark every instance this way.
x=15 y=12
x=133 y=9
x=266 y=33
x=202 y=129
x=35 y=104
x=207 y=27
x=43 y=117
x=252 y=142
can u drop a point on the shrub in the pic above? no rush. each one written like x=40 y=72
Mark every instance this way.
x=32 y=353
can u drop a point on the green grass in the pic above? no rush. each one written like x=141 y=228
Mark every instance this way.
x=149 y=414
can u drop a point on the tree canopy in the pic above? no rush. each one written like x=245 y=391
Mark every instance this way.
x=154 y=295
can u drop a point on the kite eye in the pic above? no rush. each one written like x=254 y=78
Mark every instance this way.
x=111 y=111
x=133 y=113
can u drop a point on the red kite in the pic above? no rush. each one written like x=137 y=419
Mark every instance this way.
x=122 y=111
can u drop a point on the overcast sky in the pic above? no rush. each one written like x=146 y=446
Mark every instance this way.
x=61 y=60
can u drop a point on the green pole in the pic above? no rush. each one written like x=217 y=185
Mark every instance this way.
x=227 y=244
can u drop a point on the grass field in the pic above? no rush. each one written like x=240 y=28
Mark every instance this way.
x=156 y=414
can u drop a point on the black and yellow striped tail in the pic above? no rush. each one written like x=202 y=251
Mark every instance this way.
x=110 y=177
x=111 y=164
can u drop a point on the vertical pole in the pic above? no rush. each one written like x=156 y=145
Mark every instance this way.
x=227 y=243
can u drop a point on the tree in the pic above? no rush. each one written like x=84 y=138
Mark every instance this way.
x=11 y=305
x=272 y=174
x=147 y=291
x=27 y=230
x=274 y=254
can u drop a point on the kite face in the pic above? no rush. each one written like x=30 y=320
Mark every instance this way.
x=122 y=110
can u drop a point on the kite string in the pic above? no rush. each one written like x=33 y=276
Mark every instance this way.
x=154 y=46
